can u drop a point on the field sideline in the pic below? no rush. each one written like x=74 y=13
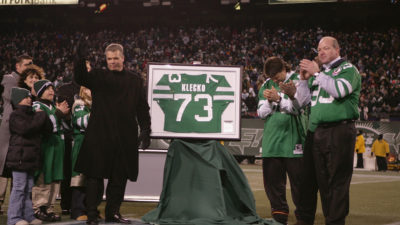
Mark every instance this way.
x=374 y=199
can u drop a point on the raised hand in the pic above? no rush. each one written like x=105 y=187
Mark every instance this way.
x=309 y=66
x=82 y=50
x=63 y=107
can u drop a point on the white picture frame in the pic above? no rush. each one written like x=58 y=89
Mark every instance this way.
x=194 y=101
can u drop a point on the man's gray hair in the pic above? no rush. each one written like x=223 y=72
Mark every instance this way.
x=333 y=40
x=114 y=47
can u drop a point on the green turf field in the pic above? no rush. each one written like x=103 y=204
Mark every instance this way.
x=374 y=199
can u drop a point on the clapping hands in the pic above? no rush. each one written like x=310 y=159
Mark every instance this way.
x=288 y=88
x=272 y=95
x=63 y=107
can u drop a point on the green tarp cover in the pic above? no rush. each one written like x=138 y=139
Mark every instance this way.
x=203 y=184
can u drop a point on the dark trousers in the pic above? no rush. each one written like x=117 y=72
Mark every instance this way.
x=360 y=160
x=328 y=167
x=94 y=195
x=65 y=187
x=381 y=161
x=78 y=207
x=274 y=173
x=115 y=192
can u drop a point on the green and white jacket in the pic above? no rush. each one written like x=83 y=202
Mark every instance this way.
x=52 y=145
x=333 y=93
x=284 y=126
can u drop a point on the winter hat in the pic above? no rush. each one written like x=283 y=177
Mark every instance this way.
x=40 y=86
x=17 y=94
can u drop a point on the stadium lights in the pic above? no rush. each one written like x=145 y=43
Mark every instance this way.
x=102 y=8
x=237 y=6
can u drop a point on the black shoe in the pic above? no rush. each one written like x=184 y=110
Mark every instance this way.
x=92 y=222
x=117 y=218
x=54 y=217
x=42 y=214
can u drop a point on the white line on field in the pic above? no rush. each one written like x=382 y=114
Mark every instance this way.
x=354 y=174
x=252 y=170
x=395 y=223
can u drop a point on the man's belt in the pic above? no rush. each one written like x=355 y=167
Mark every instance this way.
x=336 y=123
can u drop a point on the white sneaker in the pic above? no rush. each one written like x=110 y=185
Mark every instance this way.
x=22 y=222
x=35 y=222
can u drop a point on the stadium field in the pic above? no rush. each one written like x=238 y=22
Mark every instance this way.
x=374 y=200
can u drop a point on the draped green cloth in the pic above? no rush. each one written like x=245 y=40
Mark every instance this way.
x=203 y=185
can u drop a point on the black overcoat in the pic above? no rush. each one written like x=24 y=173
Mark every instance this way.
x=119 y=105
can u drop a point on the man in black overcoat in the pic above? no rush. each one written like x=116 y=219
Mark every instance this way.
x=110 y=147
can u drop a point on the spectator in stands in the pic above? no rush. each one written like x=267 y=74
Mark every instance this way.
x=360 y=149
x=363 y=112
x=9 y=81
x=381 y=149
x=245 y=94
x=283 y=138
x=51 y=173
x=110 y=146
x=222 y=46
x=23 y=158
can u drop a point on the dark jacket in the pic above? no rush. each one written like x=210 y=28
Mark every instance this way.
x=67 y=92
x=119 y=105
x=26 y=128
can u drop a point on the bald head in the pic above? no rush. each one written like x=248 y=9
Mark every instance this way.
x=328 y=49
x=331 y=40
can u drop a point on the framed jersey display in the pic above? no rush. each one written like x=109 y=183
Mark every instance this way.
x=194 y=101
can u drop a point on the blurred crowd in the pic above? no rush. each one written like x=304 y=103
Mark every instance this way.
x=376 y=55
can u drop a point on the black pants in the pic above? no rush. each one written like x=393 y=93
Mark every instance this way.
x=78 y=207
x=328 y=167
x=115 y=192
x=274 y=173
x=360 y=160
x=65 y=187
x=381 y=161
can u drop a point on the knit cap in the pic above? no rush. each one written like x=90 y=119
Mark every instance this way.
x=18 y=94
x=40 y=86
